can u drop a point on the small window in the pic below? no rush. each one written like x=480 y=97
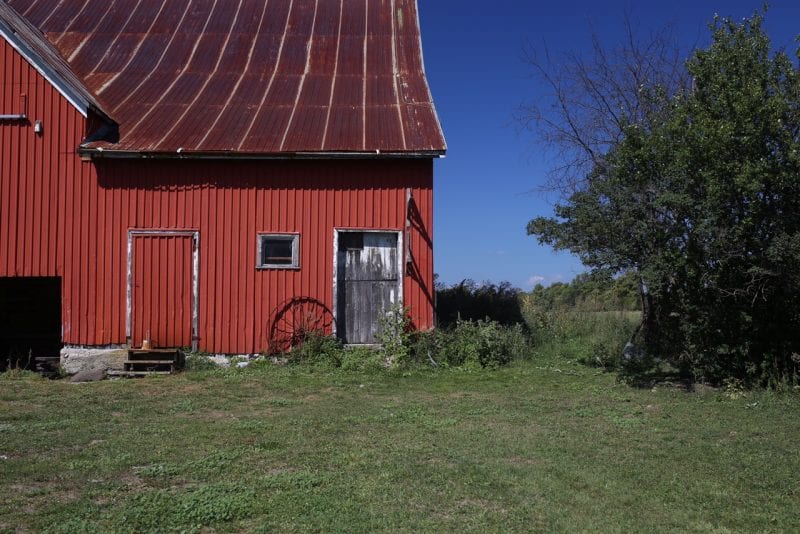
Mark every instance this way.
x=279 y=251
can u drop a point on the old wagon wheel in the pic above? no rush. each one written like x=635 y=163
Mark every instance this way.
x=295 y=320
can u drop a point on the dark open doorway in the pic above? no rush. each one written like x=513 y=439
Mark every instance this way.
x=30 y=320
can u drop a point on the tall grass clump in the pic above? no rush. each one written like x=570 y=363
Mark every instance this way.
x=481 y=344
x=598 y=333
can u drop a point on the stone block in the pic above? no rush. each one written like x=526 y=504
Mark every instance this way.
x=77 y=359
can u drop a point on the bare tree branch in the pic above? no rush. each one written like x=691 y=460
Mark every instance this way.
x=592 y=98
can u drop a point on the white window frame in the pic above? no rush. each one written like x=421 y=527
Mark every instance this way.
x=285 y=236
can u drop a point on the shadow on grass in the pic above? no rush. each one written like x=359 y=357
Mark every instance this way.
x=647 y=373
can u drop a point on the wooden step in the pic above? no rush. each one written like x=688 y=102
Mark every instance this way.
x=158 y=362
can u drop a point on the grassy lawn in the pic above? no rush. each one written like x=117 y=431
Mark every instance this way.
x=543 y=445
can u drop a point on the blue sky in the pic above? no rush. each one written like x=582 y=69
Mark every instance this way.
x=483 y=188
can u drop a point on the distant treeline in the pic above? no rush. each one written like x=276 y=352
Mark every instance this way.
x=504 y=303
x=589 y=292
x=469 y=300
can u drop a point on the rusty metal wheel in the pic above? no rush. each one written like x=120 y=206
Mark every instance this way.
x=297 y=319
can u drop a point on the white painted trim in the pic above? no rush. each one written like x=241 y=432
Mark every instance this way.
x=195 y=235
x=400 y=270
x=36 y=62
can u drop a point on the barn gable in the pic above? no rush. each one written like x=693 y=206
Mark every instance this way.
x=242 y=77
x=29 y=42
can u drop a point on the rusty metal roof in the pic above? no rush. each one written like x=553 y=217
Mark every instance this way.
x=249 y=76
x=32 y=44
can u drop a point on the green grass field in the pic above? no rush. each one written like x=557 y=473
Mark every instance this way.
x=546 y=444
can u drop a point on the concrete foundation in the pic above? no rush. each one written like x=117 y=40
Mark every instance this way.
x=77 y=359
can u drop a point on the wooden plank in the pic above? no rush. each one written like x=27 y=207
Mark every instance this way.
x=369 y=274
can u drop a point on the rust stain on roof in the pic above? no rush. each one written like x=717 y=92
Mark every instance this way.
x=249 y=76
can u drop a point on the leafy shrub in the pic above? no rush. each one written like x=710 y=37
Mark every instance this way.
x=362 y=359
x=317 y=349
x=472 y=344
x=198 y=361
x=395 y=336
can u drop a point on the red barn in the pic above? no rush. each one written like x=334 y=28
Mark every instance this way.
x=221 y=174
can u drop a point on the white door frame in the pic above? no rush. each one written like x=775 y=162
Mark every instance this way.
x=400 y=271
x=195 y=235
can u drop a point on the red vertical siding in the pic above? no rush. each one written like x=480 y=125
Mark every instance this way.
x=161 y=292
x=230 y=202
x=60 y=216
x=35 y=167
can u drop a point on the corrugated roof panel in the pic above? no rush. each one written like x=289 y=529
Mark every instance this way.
x=85 y=21
x=316 y=90
x=348 y=91
x=250 y=91
x=269 y=131
x=344 y=128
x=293 y=55
x=351 y=55
x=234 y=57
x=420 y=126
x=265 y=52
x=227 y=133
x=34 y=11
x=210 y=47
x=302 y=19
x=151 y=127
x=250 y=76
x=308 y=128
x=180 y=137
x=323 y=59
x=353 y=17
x=379 y=17
x=117 y=55
x=62 y=15
x=223 y=16
x=85 y=58
x=380 y=90
x=327 y=23
x=383 y=127
x=378 y=61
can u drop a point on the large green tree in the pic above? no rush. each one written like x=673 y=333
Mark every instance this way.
x=702 y=202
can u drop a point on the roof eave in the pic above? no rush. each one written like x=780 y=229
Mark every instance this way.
x=92 y=152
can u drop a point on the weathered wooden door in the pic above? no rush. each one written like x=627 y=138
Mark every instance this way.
x=162 y=289
x=368 y=283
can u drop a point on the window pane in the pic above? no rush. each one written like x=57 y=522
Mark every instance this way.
x=277 y=251
x=351 y=241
